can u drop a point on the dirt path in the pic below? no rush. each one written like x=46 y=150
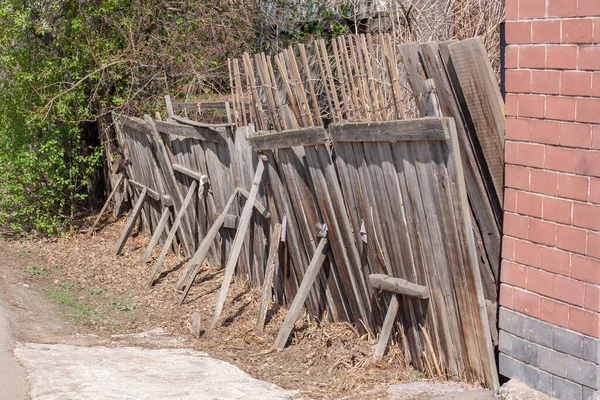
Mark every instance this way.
x=12 y=375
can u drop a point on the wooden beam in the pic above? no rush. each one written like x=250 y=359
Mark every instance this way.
x=191 y=173
x=180 y=213
x=131 y=221
x=230 y=222
x=272 y=262
x=257 y=205
x=400 y=286
x=153 y=194
x=156 y=235
x=298 y=303
x=187 y=278
x=289 y=138
x=191 y=132
x=106 y=203
x=238 y=241
x=187 y=121
x=429 y=128
x=386 y=329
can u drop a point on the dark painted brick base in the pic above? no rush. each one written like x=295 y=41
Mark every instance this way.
x=553 y=360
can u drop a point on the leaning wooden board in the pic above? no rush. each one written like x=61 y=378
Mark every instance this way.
x=411 y=195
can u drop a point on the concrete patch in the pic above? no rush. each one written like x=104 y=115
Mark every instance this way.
x=13 y=384
x=70 y=372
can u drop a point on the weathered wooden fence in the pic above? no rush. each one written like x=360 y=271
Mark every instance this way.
x=358 y=194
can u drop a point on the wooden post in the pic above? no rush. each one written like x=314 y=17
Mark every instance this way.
x=271 y=264
x=187 y=278
x=238 y=241
x=131 y=221
x=156 y=235
x=396 y=286
x=173 y=230
x=105 y=206
x=386 y=329
x=400 y=286
x=296 y=308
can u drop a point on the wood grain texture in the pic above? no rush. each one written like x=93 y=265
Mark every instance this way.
x=481 y=94
x=289 y=138
x=405 y=130
x=180 y=213
x=131 y=222
x=236 y=246
x=296 y=308
x=190 y=131
x=164 y=218
x=399 y=286
x=272 y=263
x=386 y=328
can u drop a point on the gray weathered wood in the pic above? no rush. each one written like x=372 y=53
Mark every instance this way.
x=289 y=138
x=165 y=199
x=208 y=105
x=173 y=231
x=156 y=235
x=230 y=222
x=411 y=129
x=268 y=282
x=187 y=121
x=187 y=278
x=236 y=246
x=483 y=99
x=106 y=203
x=203 y=179
x=463 y=221
x=257 y=205
x=386 y=329
x=131 y=221
x=399 y=286
x=189 y=131
x=298 y=303
x=171 y=185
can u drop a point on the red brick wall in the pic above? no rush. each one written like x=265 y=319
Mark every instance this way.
x=551 y=247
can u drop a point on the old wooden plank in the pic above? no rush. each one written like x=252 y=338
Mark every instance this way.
x=283 y=204
x=486 y=214
x=397 y=285
x=187 y=278
x=469 y=254
x=423 y=209
x=182 y=210
x=289 y=138
x=296 y=308
x=131 y=221
x=203 y=179
x=257 y=205
x=479 y=88
x=164 y=163
x=197 y=124
x=268 y=282
x=386 y=329
x=405 y=130
x=156 y=234
x=189 y=131
x=341 y=236
x=391 y=234
x=236 y=247
x=153 y=194
x=296 y=176
x=106 y=203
